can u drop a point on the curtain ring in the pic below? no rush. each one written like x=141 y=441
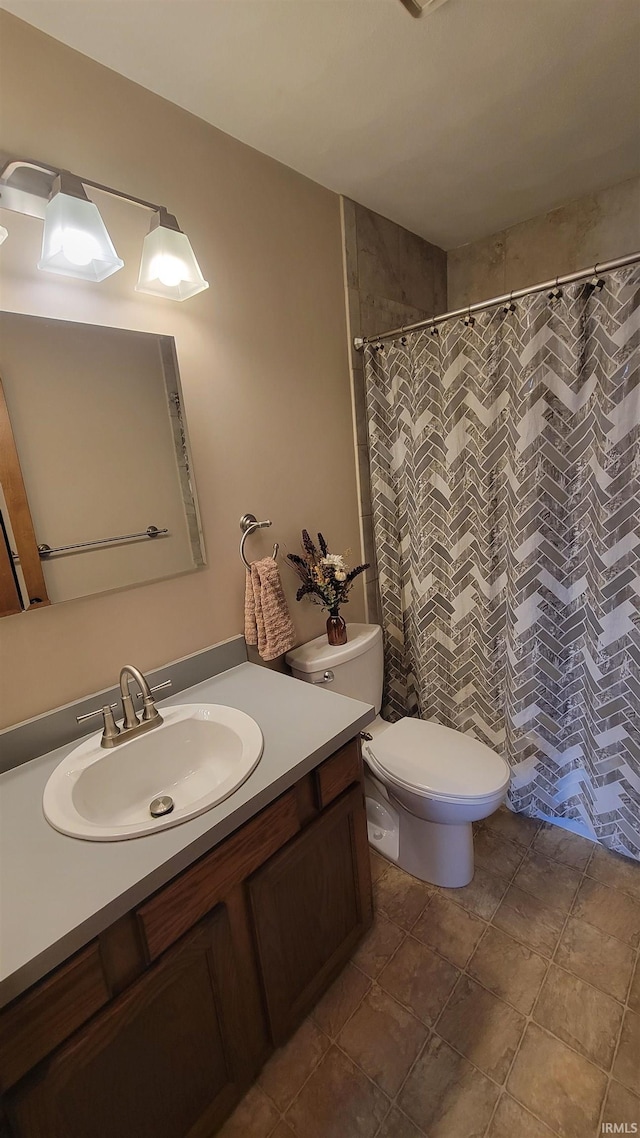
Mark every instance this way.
x=510 y=307
x=434 y=330
x=598 y=281
x=469 y=319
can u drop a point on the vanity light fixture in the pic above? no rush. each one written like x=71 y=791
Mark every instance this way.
x=75 y=240
x=168 y=266
x=4 y=233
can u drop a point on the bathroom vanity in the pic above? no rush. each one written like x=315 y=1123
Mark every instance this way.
x=159 y=1023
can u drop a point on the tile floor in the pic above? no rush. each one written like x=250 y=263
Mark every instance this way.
x=507 y=1009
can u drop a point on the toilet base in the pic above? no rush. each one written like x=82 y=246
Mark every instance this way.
x=434 y=852
x=383 y=828
x=431 y=851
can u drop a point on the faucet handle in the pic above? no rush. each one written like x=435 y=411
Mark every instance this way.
x=110 y=730
x=157 y=687
x=98 y=711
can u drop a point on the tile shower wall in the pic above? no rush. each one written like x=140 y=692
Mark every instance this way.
x=392 y=277
x=599 y=227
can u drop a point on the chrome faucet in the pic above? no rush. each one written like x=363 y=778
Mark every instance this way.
x=113 y=735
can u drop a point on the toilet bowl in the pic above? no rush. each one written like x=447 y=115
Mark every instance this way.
x=440 y=782
x=425 y=784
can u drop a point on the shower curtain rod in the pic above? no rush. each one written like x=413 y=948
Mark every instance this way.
x=606 y=267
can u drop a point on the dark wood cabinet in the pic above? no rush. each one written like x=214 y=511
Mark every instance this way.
x=311 y=904
x=166 y=1058
x=157 y=1028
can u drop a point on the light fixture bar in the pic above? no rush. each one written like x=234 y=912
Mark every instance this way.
x=76 y=242
x=15 y=198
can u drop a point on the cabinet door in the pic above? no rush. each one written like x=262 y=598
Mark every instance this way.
x=311 y=903
x=165 y=1059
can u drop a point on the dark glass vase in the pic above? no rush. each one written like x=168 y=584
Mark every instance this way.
x=336 y=628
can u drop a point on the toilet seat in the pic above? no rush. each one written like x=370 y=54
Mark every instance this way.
x=435 y=761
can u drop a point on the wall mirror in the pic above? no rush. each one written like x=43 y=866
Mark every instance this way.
x=96 y=481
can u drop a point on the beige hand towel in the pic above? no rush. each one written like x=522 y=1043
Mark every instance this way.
x=250 y=626
x=267 y=620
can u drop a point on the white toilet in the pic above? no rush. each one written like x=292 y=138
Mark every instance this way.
x=425 y=783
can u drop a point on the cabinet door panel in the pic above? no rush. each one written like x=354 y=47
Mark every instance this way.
x=161 y=1060
x=49 y=1013
x=311 y=904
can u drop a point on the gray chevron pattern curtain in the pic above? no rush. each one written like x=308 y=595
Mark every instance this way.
x=505 y=471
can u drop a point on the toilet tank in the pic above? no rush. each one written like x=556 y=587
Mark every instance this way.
x=356 y=667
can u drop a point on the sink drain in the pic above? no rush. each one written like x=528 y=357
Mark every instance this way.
x=160 y=806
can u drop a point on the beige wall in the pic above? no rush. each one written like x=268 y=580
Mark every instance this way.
x=599 y=227
x=263 y=355
x=392 y=277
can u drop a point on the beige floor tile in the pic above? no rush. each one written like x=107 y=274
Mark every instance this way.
x=384 y=1039
x=341 y=1000
x=397 y=1125
x=600 y=959
x=516 y=827
x=622 y=1107
x=581 y=1015
x=634 y=994
x=553 y=884
x=255 y=1117
x=400 y=896
x=481 y=1026
x=616 y=870
x=512 y=1121
x=511 y=970
x=446 y=1096
x=451 y=930
x=379 y=865
x=483 y=894
x=608 y=909
x=379 y=944
x=337 y=1096
x=557 y=1085
x=626 y=1068
x=497 y=854
x=419 y=979
x=527 y=919
x=292 y=1064
x=562 y=845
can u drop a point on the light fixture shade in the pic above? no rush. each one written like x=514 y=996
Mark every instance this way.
x=75 y=241
x=168 y=266
x=4 y=233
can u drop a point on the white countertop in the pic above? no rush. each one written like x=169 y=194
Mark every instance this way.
x=57 y=893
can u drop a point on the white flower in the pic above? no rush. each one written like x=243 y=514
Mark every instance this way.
x=334 y=560
x=340 y=575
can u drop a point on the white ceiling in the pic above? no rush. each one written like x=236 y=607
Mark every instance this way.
x=476 y=116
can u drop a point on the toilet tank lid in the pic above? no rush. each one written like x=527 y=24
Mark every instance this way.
x=318 y=654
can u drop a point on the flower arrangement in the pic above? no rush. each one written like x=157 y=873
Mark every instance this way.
x=326 y=580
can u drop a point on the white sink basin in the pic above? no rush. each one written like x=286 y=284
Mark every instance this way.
x=198 y=756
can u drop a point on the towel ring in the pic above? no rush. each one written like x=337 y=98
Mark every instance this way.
x=249 y=524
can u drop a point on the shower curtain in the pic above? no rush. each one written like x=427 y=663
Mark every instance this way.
x=505 y=474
